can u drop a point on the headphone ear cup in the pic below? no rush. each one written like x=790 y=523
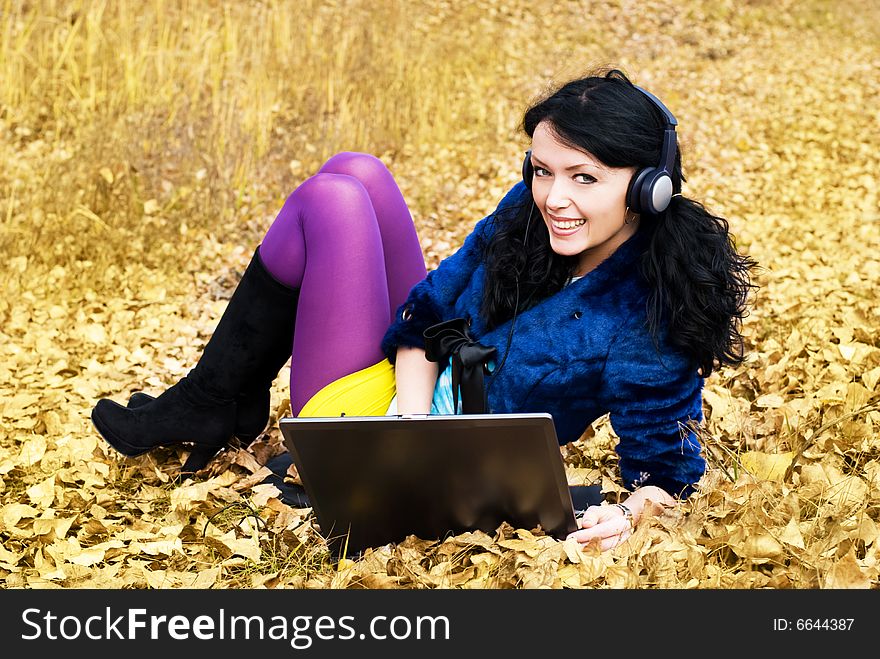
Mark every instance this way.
x=527 y=170
x=656 y=191
x=634 y=192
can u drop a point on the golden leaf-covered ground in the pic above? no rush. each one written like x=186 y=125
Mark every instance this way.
x=145 y=153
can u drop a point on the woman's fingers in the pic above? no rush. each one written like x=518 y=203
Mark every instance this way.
x=611 y=543
x=613 y=527
x=604 y=525
x=595 y=515
x=589 y=518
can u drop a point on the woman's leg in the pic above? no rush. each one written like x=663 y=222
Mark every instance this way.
x=346 y=312
x=404 y=262
x=347 y=240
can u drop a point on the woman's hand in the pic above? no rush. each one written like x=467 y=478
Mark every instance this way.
x=607 y=526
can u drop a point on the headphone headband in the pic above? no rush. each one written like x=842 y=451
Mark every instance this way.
x=667 y=151
x=670 y=118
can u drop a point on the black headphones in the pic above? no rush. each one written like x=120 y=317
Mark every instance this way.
x=650 y=189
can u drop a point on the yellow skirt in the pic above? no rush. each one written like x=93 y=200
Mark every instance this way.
x=367 y=392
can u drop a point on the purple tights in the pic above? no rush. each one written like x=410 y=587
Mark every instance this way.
x=346 y=239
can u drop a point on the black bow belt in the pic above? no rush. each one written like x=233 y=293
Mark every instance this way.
x=451 y=339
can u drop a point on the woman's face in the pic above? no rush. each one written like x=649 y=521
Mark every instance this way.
x=582 y=201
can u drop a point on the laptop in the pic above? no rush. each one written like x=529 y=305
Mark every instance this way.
x=375 y=480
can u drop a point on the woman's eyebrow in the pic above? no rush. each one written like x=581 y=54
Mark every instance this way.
x=568 y=169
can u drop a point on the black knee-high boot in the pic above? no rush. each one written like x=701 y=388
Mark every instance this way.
x=250 y=344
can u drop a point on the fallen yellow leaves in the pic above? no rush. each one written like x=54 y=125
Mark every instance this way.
x=766 y=466
x=847 y=573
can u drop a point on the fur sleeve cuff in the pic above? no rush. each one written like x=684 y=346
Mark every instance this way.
x=411 y=319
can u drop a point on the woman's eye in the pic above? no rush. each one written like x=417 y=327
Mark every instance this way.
x=584 y=178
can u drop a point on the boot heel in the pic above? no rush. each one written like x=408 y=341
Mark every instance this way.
x=197 y=460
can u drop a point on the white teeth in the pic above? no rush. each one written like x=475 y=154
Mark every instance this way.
x=569 y=225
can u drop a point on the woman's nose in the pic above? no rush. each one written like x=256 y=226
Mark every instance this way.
x=558 y=197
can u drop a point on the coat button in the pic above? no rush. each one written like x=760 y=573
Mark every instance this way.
x=577 y=315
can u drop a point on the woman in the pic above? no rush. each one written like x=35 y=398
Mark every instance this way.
x=595 y=286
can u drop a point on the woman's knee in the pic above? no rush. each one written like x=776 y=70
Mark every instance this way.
x=365 y=167
x=334 y=203
x=330 y=189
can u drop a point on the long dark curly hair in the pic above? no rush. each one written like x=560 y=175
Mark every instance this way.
x=698 y=282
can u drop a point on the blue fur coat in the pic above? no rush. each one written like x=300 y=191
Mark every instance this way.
x=579 y=354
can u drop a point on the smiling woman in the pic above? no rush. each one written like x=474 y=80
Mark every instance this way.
x=627 y=294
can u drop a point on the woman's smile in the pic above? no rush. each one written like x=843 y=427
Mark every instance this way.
x=565 y=226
